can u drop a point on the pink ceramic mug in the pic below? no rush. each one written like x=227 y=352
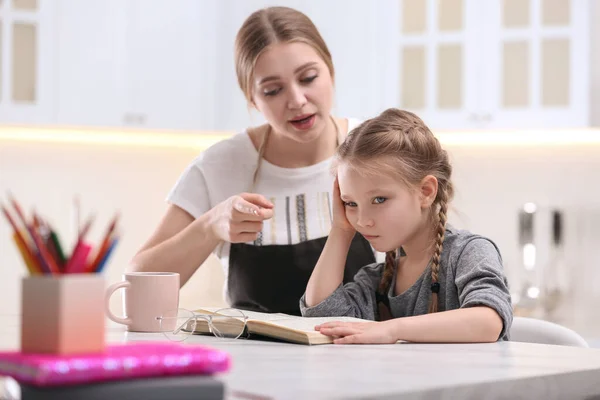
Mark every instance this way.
x=148 y=295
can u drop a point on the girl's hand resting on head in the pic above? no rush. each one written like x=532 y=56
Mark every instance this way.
x=359 y=332
x=240 y=218
x=340 y=221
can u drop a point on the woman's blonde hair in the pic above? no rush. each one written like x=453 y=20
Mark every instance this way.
x=400 y=142
x=269 y=26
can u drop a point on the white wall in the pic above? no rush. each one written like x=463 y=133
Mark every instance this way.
x=595 y=64
x=132 y=180
x=492 y=184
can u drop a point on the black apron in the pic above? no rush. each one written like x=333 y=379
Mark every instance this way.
x=273 y=278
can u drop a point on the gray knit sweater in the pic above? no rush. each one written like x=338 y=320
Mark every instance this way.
x=471 y=274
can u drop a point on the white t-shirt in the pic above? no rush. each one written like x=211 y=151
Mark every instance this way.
x=302 y=196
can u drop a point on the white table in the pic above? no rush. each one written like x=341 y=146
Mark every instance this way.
x=264 y=370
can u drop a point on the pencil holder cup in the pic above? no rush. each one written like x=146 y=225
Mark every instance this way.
x=63 y=314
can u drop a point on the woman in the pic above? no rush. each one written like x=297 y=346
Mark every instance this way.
x=261 y=200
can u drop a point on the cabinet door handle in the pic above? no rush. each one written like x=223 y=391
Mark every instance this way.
x=128 y=119
x=474 y=117
x=141 y=119
x=487 y=117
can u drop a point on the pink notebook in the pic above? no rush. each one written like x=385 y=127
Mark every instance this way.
x=117 y=362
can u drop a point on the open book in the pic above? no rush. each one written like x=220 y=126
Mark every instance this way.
x=289 y=328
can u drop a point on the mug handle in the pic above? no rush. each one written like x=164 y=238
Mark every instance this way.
x=109 y=292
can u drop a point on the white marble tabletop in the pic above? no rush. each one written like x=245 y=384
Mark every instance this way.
x=264 y=370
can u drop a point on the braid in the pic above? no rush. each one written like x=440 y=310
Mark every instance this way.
x=439 y=244
x=388 y=272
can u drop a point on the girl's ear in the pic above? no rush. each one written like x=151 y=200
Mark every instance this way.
x=428 y=191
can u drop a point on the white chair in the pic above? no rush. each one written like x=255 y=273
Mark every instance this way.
x=544 y=332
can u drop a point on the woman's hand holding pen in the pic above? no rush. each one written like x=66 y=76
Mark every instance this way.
x=240 y=218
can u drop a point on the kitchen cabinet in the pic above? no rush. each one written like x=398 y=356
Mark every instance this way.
x=168 y=64
x=26 y=61
x=465 y=64
x=145 y=64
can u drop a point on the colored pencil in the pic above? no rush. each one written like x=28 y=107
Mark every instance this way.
x=110 y=250
x=56 y=243
x=28 y=256
x=105 y=244
x=48 y=263
x=39 y=246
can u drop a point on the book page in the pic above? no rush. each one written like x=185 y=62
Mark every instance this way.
x=306 y=324
x=250 y=314
x=207 y=310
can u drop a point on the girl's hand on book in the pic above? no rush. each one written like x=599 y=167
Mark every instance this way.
x=240 y=218
x=359 y=332
x=340 y=221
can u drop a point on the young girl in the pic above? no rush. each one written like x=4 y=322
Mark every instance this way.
x=260 y=199
x=438 y=283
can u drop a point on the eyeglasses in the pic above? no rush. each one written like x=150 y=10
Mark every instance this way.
x=179 y=324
